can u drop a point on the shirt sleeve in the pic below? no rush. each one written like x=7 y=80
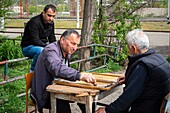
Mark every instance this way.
x=134 y=88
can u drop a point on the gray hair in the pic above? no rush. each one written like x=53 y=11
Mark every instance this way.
x=68 y=32
x=139 y=38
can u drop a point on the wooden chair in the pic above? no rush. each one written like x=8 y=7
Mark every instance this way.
x=28 y=79
x=165 y=107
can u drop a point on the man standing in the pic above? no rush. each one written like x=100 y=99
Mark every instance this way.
x=147 y=78
x=38 y=32
x=53 y=62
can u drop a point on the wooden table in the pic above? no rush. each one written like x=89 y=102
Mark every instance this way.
x=82 y=92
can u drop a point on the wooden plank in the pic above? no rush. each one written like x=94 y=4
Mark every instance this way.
x=74 y=84
x=104 y=82
x=106 y=77
x=81 y=84
x=63 y=89
x=108 y=74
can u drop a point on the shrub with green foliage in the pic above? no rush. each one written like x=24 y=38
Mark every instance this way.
x=168 y=59
x=4 y=8
x=121 y=20
x=100 y=29
x=10 y=50
x=111 y=67
x=35 y=9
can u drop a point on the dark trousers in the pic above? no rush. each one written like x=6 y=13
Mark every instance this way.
x=63 y=106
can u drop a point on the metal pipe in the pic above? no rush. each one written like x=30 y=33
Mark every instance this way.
x=87 y=59
x=168 y=17
x=12 y=80
x=6 y=65
x=105 y=58
x=94 y=69
x=78 y=16
x=94 y=50
x=14 y=60
x=6 y=72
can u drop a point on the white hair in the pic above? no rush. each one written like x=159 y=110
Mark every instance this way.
x=139 y=38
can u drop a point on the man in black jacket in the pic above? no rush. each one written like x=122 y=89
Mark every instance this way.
x=147 y=78
x=39 y=31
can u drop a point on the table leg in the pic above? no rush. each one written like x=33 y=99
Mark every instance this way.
x=53 y=103
x=89 y=101
x=94 y=104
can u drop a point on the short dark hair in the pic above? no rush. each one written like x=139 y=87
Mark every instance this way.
x=68 y=32
x=50 y=6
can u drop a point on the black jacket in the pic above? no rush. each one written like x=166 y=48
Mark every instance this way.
x=38 y=33
x=147 y=81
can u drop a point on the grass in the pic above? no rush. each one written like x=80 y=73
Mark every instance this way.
x=58 y=23
x=9 y=102
x=156 y=26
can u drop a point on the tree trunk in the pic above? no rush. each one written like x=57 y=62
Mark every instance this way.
x=86 y=33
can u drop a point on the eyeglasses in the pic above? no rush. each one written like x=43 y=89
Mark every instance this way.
x=51 y=15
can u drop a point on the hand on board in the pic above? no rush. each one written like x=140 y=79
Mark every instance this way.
x=88 y=77
x=121 y=80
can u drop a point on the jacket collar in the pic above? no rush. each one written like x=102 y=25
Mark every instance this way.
x=138 y=56
x=61 y=51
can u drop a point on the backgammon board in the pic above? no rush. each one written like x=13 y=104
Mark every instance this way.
x=104 y=81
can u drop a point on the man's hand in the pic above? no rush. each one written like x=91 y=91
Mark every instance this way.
x=88 y=77
x=101 y=110
x=121 y=80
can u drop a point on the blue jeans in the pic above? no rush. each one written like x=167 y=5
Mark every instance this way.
x=33 y=52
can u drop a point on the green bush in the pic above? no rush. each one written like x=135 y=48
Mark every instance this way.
x=111 y=67
x=168 y=59
x=75 y=66
x=10 y=50
x=35 y=9
x=122 y=20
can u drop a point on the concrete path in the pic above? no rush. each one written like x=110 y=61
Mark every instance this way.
x=160 y=41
